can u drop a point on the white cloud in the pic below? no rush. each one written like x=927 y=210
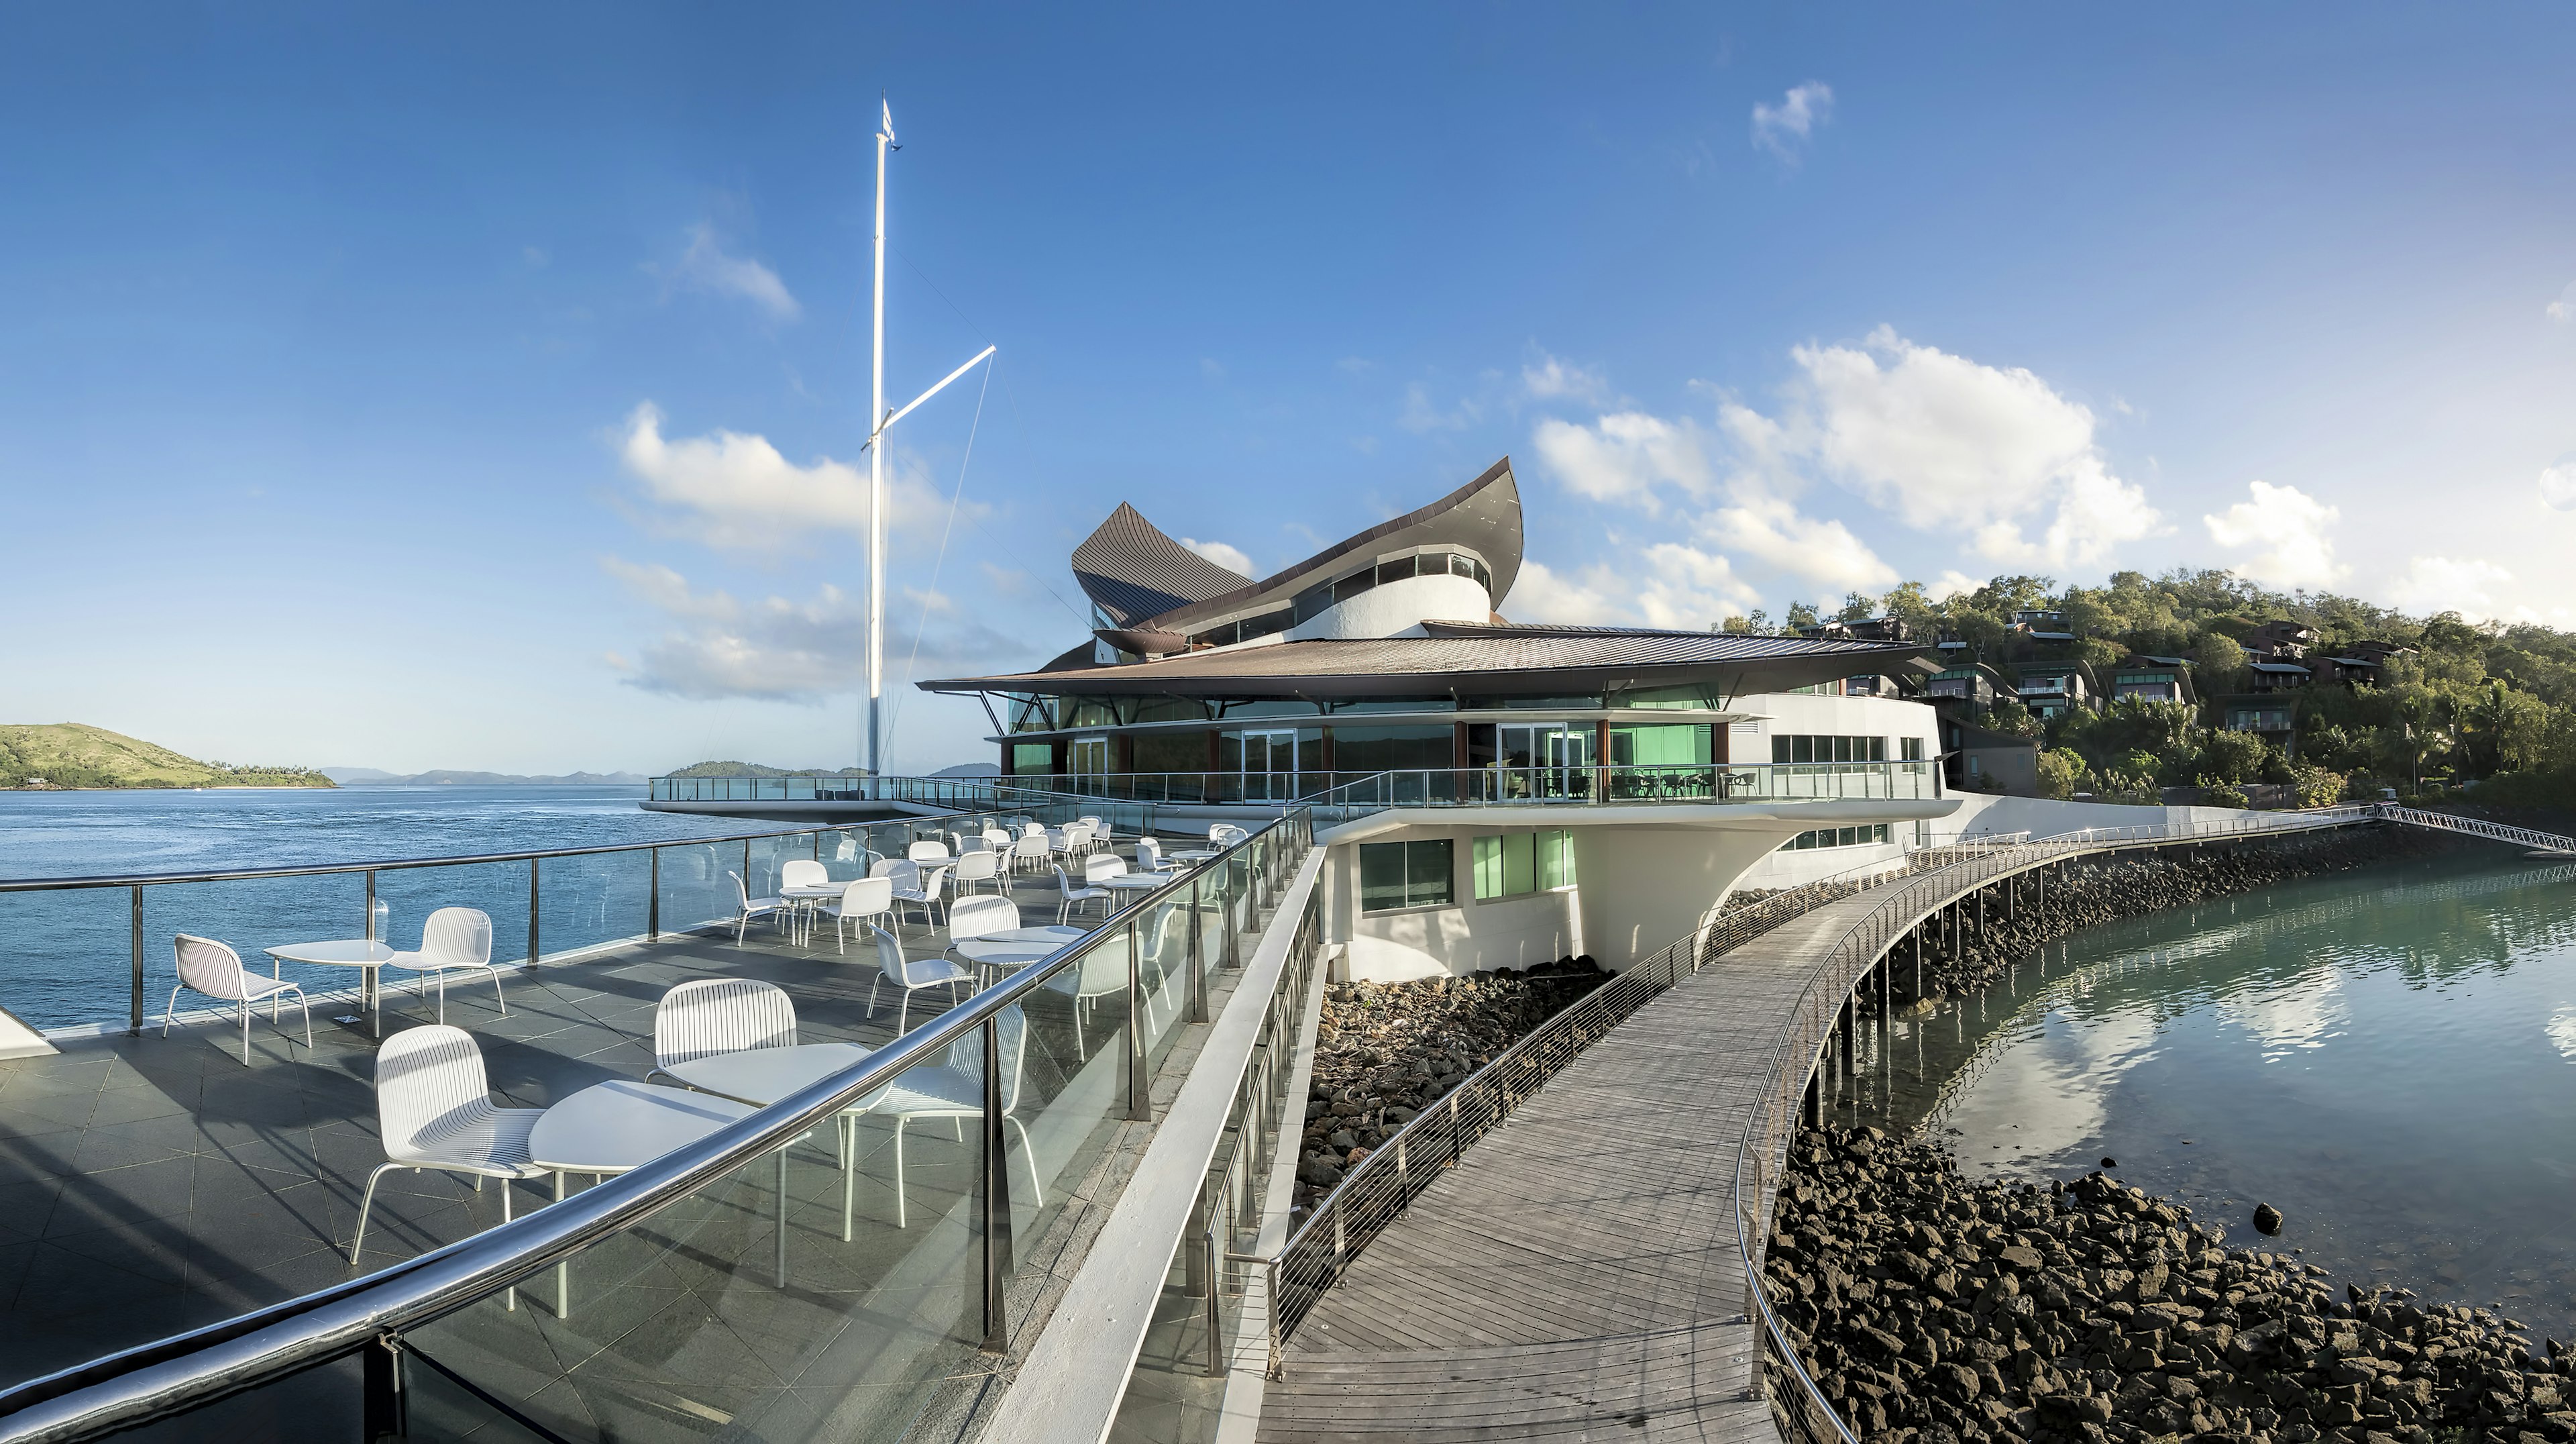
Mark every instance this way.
x=1625 y=456
x=737 y=493
x=2285 y=529
x=2558 y=483
x=1230 y=558
x=2562 y=310
x=2442 y=584
x=1948 y=443
x=704 y=266
x=1550 y=379
x=1420 y=416
x=1952 y=584
x=1666 y=585
x=1770 y=530
x=778 y=650
x=1781 y=129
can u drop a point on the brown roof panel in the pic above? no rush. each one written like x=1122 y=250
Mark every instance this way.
x=1132 y=570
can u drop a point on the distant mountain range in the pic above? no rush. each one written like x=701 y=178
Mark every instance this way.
x=449 y=777
x=755 y=769
x=55 y=755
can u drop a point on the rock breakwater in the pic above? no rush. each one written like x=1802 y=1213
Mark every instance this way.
x=1930 y=1309
x=1383 y=1051
x=2095 y=891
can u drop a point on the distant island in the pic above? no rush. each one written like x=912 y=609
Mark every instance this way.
x=450 y=777
x=51 y=756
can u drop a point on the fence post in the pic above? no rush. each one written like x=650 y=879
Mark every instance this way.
x=134 y=1005
x=1197 y=961
x=993 y=1188
x=653 y=898
x=532 y=912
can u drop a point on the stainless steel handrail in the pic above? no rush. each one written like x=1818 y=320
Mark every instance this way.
x=1802 y=1034
x=156 y=1380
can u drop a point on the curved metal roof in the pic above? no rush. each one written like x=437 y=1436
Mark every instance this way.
x=1483 y=516
x=1131 y=570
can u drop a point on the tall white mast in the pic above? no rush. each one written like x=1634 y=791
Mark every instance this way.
x=880 y=421
x=876 y=462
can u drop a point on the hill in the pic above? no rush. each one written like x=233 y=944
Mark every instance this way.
x=754 y=769
x=74 y=754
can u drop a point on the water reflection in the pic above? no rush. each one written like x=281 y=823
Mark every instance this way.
x=2385 y=1056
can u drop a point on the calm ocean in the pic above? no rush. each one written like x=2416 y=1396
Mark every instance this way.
x=66 y=957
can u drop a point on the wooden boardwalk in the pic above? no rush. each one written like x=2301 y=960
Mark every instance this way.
x=1576 y=1275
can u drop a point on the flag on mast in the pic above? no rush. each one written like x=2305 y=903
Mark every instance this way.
x=888 y=126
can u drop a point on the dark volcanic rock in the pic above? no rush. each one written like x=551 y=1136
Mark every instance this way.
x=1386 y=1051
x=2267 y=1219
x=1929 y=1308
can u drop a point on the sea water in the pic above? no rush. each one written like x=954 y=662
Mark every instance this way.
x=2387 y=1056
x=66 y=956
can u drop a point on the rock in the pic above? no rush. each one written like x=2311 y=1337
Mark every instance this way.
x=2267 y=1219
x=2110 y=1163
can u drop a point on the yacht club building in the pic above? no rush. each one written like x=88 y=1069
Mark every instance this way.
x=1385 y=663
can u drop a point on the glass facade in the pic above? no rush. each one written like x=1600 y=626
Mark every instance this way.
x=1033 y=757
x=1517 y=864
x=1396 y=875
x=1808 y=748
x=1391 y=749
x=1839 y=837
x=1677 y=745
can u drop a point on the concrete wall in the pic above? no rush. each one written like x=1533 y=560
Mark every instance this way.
x=1797 y=712
x=1384 y=611
x=1982 y=815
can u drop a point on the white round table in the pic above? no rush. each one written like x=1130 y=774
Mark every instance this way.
x=994 y=955
x=1133 y=881
x=805 y=896
x=618 y=1126
x=367 y=955
x=762 y=1076
x=1056 y=933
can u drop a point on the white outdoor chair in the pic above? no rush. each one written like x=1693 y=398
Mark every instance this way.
x=924 y=893
x=214 y=969
x=1149 y=856
x=864 y=898
x=802 y=872
x=975 y=869
x=1074 y=896
x=771 y=908
x=1101 y=973
x=976 y=917
x=452 y=940
x=911 y=975
x=848 y=851
x=1103 y=864
x=955 y=1091
x=434 y=1108
x=928 y=850
x=705 y=1017
x=1096 y=830
x=1225 y=834
x=999 y=838
x=1029 y=853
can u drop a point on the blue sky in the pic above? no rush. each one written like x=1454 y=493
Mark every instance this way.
x=466 y=387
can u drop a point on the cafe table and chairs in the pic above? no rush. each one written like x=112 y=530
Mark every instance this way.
x=367 y=955
x=215 y=970
x=910 y=976
x=622 y=1125
x=452 y=940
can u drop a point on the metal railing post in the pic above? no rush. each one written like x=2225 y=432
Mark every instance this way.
x=993 y=1196
x=1197 y=961
x=653 y=898
x=134 y=1005
x=1140 y=1102
x=532 y=912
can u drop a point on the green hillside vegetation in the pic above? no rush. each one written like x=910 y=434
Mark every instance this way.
x=71 y=754
x=754 y=769
x=2487 y=705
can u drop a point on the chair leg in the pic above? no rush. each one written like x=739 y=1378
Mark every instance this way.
x=872 y=995
x=903 y=1015
x=442 y=997
x=496 y=991
x=246 y=1011
x=306 y=1004
x=170 y=1014
x=365 y=1203
x=1029 y=1155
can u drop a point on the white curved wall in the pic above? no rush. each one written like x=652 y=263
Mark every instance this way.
x=1384 y=611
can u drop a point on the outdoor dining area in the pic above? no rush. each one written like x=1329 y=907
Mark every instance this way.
x=269 y=1138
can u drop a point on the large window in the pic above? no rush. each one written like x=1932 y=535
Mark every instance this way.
x=1171 y=752
x=1840 y=836
x=1391 y=749
x=1396 y=875
x=1684 y=745
x=1032 y=758
x=1519 y=863
x=1804 y=748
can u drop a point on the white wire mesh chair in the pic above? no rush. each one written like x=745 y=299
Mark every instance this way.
x=955 y=1090
x=452 y=940
x=1071 y=897
x=774 y=909
x=214 y=969
x=864 y=898
x=1029 y=853
x=929 y=849
x=704 y=1017
x=802 y=872
x=434 y=1107
x=973 y=870
x=1102 y=973
x=924 y=892
x=911 y=975
x=1149 y=856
